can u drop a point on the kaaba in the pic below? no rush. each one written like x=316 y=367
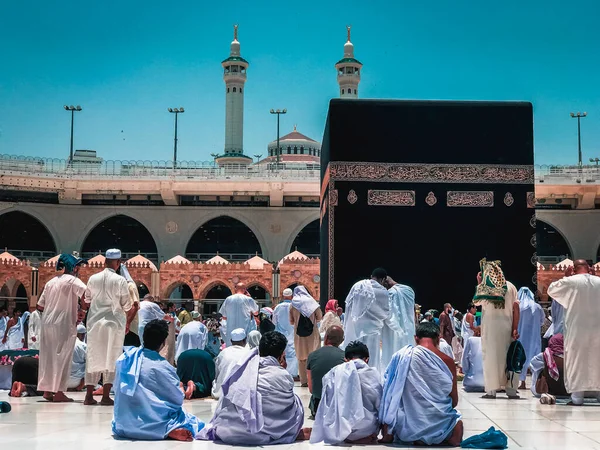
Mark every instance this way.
x=426 y=189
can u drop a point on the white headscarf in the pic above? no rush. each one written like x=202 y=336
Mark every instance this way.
x=254 y=339
x=303 y=302
x=125 y=273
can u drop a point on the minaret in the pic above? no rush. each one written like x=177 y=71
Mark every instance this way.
x=234 y=76
x=348 y=71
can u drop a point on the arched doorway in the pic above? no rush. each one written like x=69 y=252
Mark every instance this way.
x=13 y=295
x=260 y=294
x=124 y=233
x=228 y=237
x=551 y=246
x=214 y=299
x=180 y=294
x=308 y=241
x=142 y=289
x=24 y=236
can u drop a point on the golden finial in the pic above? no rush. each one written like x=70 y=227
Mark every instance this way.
x=235 y=31
x=348 y=29
x=294 y=127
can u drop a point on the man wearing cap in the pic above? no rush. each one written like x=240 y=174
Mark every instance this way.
x=111 y=311
x=77 y=379
x=281 y=319
x=228 y=358
x=238 y=309
x=59 y=301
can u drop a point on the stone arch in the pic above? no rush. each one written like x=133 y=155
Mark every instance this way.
x=213 y=284
x=303 y=224
x=124 y=237
x=262 y=287
x=224 y=234
x=142 y=288
x=303 y=240
x=20 y=230
x=187 y=291
x=550 y=241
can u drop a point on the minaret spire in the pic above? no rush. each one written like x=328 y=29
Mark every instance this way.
x=235 y=32
x=348 y=70
x=348 y=29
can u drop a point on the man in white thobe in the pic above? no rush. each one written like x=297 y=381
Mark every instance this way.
x=59 y=301
x=238 y=310
x=111 y=311
x=349 y=406
x=578 y=292
x=281 y=319
x=228 y=358
x=499 y=327
x=399 y=327
x=76 y=379
x=530 y=325
x=33 y=330
x=367 y=308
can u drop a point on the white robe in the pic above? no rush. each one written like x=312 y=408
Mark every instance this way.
x=33 y=330
x=536 y=366
x=281 y=320
x=3 y=323
x=399 y=327
x=226 y=360
x=579 y=295
x=238 y=310
x=530 y=325
x=446 y=348
x=78 y=364
x=349 y=406
x=192 y=336
x=60 y=300
x=109 y=300
x=15 y=339
x=367 y=307
x=472 y=365
x=148 y=311
x=496 y=337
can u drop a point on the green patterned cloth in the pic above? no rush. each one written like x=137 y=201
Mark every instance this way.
x=493 y=284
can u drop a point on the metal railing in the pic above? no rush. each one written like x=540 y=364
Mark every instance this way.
x=61 y=168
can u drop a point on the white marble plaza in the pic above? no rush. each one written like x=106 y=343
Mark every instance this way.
x=35 y=424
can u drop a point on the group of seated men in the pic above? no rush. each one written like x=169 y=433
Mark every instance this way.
x=257 y=406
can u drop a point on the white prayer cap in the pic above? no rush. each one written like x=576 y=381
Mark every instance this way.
x=288 y=292
x=195 y=314
x=237 y=335
x=81 y=329
x=113 y=253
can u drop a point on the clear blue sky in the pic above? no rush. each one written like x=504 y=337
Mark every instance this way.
x=126 y=62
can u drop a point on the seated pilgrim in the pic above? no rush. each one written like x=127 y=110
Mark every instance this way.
x=148 y=399
x=258 y=406
x=420 y=394
x=547 y=369
x=446 y=348
x=228 y=358
x=77 y=376
x=349 y=407
x=195 y=367
x=192 y=335
x=472 y=365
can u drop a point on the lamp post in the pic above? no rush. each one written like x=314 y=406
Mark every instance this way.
x=72 y=109
x=176 y=112
x=278 y=112
x=258 y=157
x=579 y=116
x=595 y=160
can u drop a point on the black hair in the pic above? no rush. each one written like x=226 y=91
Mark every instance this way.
x=155 y=334
x=379 y=273
x=426 y=330
x=170 y=304
x=458 y=315
x=3 y=308
x=356 y=349
x=272 y=344
x=469 y=306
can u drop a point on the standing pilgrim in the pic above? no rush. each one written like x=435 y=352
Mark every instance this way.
x=499 y=327
x=59 y=301
x=304 y=316
x=33 y=330
x=238 y=310
x=281 y=319
x=530 y=325
x=579 y=294
x=111 y=312
x=367 y=308
x=399 y=327
x=331 y=318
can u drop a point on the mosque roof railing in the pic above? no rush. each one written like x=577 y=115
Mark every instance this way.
x=153 y=169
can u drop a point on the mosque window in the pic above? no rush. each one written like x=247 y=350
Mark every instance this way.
x=302 y=150
x=289 y=150
x=227 y=90
x=342 y=92
x=241 y=91
x=234 y=89
x=295 y=150
x=354 y=91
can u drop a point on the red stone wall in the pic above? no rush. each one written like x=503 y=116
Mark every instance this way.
x=302 y=272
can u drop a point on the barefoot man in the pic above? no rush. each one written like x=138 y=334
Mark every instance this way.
x=111 y=312
x=59 y=301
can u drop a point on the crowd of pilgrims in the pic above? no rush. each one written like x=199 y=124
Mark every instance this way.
x=380 y=372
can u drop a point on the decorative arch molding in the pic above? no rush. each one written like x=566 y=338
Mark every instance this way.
x=213 y=283
x=301 y=225
x=559 y=231
x=167 y=291
x=251 y=284
x=44 y=221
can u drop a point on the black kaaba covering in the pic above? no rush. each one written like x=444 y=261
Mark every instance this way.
x=426 y=189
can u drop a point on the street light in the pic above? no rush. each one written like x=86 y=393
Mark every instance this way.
x=72 y=109
x=258 y=157
x=176 y=112
x=595 y=160
x=579 y=116
x=278 y=112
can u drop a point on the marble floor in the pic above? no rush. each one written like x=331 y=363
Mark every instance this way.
x=34 y=424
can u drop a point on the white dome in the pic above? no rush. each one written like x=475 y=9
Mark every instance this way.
x=235 y=48
x=349 y=49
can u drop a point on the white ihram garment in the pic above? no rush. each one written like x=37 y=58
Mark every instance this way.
x=399 y=327
x=33 y=330
x=3 y=323
x=226 y=360
x=281 y=320
x=192 y=336
x=108 y=295
x=148 y=311
x=238 y=310
x=59 y=299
